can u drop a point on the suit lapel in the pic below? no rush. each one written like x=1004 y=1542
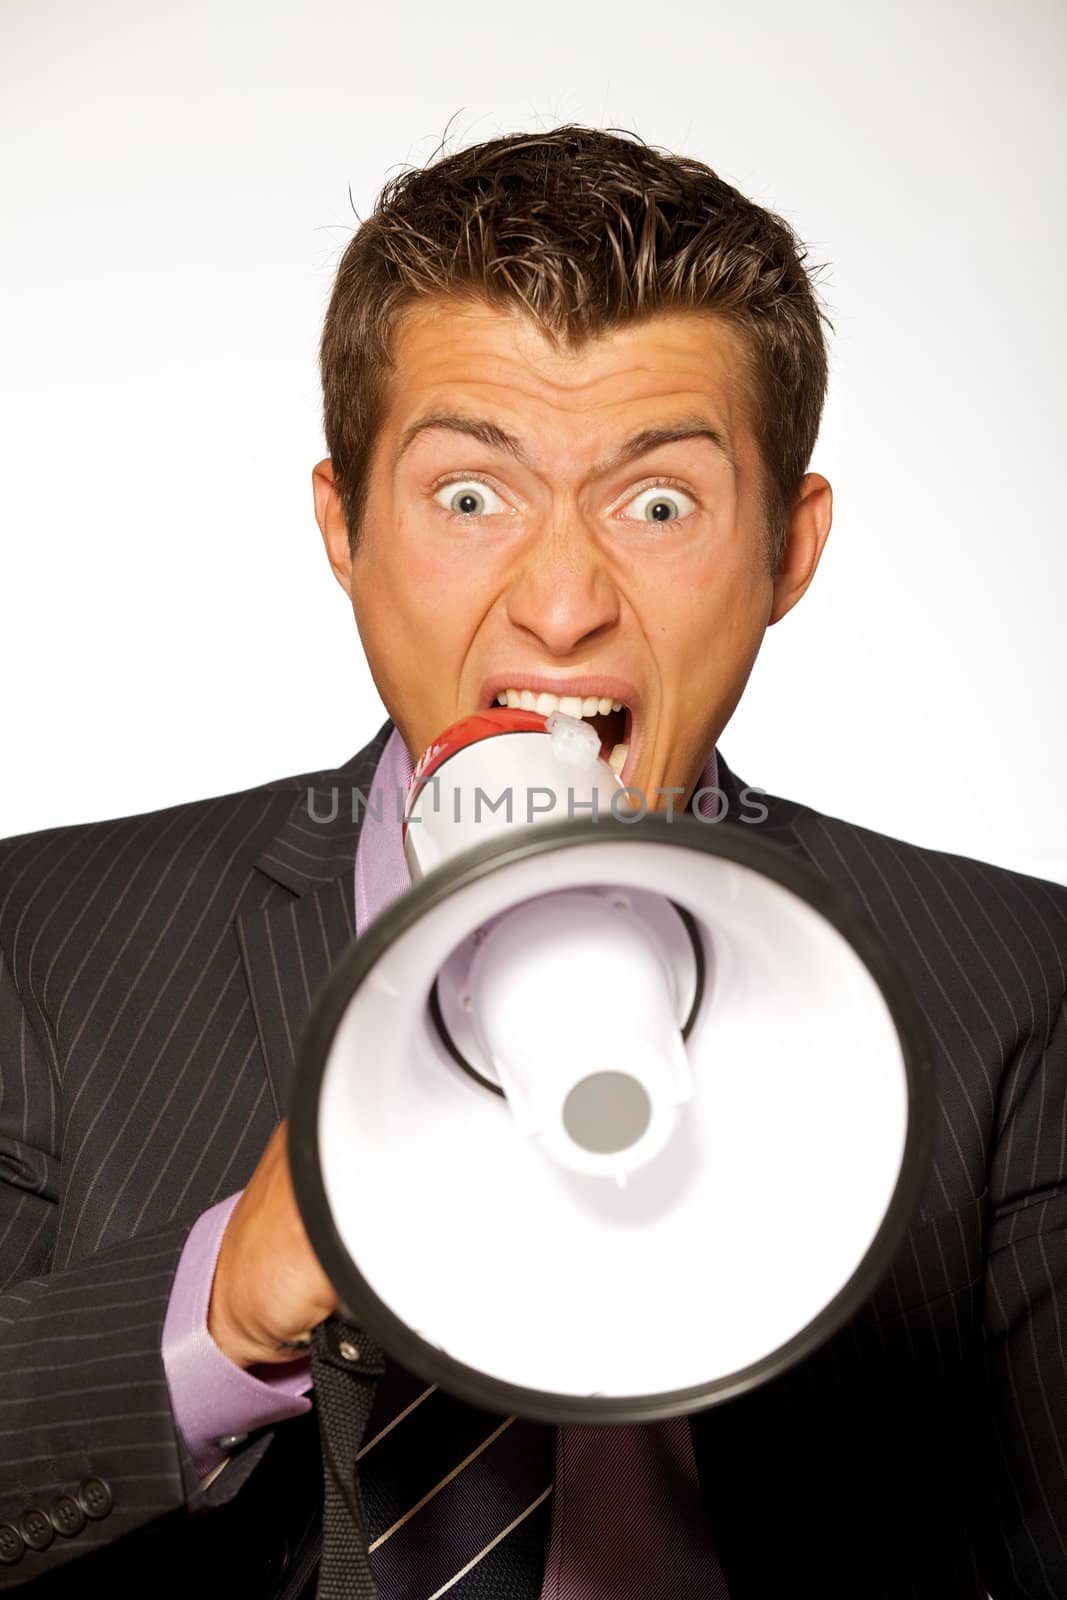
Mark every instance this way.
x=291 y=944
x=743 y=805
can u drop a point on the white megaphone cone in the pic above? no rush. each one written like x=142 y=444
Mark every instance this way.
x=596 y=1075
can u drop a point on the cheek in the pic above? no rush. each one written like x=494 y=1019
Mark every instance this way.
x=704 y=622
x=431 y=567
x=401 y=583
x=418 y=598
x=703 y=605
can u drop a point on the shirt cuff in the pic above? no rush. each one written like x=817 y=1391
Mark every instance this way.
x=212 y=1398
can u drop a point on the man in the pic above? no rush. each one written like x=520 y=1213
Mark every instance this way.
x=572 y=386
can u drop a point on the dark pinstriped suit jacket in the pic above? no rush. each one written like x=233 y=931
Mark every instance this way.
x=156 y=974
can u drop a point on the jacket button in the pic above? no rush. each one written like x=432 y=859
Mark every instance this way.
x=12 y=1548
x=66 y=1515
x=36 y=1529
x=95 y=1497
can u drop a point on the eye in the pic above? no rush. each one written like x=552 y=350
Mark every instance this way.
x=469 y=497
x=661 y=503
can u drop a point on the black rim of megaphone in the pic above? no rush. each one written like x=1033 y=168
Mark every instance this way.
x=362 y=1306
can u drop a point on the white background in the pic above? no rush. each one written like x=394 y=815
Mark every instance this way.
x=174 y=200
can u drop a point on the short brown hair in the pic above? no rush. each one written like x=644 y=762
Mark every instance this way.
x=586 y=230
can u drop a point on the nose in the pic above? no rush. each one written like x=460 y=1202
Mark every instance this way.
x=562 y=595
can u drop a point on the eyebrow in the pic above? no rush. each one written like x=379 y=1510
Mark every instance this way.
x=639 y=444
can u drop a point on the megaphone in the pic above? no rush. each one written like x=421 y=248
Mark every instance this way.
x=609 y=1118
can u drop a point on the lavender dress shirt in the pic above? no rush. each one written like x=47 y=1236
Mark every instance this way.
x=628 y=1496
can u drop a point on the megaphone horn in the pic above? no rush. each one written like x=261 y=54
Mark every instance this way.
x=605 y=1120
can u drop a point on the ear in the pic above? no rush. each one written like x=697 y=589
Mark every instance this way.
x=806 y=535
x=331 y=521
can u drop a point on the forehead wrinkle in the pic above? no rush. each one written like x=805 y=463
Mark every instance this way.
x=464 y=350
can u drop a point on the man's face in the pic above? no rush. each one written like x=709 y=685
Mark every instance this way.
x=582 y=525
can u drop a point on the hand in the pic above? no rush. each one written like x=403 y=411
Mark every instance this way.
x=269 y=1287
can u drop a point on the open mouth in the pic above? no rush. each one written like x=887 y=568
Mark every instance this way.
x=612 y=719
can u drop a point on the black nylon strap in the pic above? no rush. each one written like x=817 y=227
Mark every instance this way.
x=346 y=1364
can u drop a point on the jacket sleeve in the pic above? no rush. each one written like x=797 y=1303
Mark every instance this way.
x=89 y=1449
x=1022 y=1535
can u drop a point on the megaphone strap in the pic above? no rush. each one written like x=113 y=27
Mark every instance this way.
x=346 y=1364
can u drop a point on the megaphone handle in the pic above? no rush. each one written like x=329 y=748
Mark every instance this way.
x=346 y=1364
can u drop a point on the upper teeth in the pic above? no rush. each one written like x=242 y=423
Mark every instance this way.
x=572 y=705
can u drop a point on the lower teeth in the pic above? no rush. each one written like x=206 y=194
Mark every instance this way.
x=617 y=758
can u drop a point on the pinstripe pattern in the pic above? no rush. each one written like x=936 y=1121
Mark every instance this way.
x=155 y=973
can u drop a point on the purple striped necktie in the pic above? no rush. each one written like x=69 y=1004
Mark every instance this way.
x=457 y=1500
x=461 y=1502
